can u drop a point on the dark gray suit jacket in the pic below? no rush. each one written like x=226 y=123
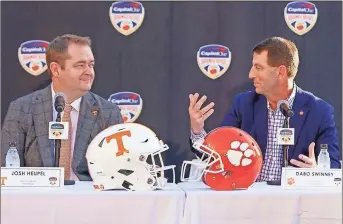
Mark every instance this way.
x=26 y=123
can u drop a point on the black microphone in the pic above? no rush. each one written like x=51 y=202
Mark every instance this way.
x=59 y=107
x=60 y=102
x=283 y=105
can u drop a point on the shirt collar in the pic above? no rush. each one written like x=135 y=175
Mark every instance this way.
x=76 y=104
x=290 y=99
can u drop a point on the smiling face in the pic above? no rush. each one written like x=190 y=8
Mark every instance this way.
x=71 y=65
x=274 y=66
x=265 y=77
x=77 y=73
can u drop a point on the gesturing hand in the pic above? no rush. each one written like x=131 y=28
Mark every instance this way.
x=198 y=115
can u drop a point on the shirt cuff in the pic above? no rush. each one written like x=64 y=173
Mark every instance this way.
x=196 y=137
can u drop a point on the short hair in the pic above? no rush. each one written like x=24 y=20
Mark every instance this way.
x=57 y=50
x=280 y=51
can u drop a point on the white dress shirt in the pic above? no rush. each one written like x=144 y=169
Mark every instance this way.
x=74 y=116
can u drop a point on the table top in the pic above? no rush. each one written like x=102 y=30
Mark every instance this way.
x=256 y=188
x=86 y=187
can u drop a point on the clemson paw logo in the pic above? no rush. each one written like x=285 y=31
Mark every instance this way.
x=240 y=154
x=290 y=181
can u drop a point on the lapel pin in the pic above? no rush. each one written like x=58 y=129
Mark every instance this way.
x=301 y=113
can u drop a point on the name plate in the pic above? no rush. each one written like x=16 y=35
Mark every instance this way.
x=42 y=177
x=311 y=178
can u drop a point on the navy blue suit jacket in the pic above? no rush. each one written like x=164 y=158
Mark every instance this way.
x=315 y=123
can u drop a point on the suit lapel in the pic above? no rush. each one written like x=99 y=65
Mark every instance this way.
x=42 y=115
x=261 y=122
x=300 y=114
x=85 y=126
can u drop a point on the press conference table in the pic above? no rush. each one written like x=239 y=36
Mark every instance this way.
x=81 y=204
x=184 y=203
x=261 y=203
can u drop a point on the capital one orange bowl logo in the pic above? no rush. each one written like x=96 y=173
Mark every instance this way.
x=31 y=56
x=53 y=180
x=214 y=60
x=130 y=105
x=127 y=17
x=300 y=17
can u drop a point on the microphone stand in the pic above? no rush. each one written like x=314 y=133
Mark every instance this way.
x=58 y=150
x=57 y=144
x=285 y=155
x=285 y=147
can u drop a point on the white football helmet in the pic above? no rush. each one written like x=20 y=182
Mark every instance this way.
x=123 y=157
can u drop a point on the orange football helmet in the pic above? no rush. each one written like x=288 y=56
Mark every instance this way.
x=231 y=159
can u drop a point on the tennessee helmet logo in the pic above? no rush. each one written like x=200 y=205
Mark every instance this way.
x=119 y=138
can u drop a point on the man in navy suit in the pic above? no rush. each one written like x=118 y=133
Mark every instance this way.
x=274 y=67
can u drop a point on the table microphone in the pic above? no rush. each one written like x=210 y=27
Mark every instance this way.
x=283 y=106
x=59 y=107
x=60 y=102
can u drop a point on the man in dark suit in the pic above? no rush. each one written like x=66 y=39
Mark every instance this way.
x=274 y=67
x=70 y=64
